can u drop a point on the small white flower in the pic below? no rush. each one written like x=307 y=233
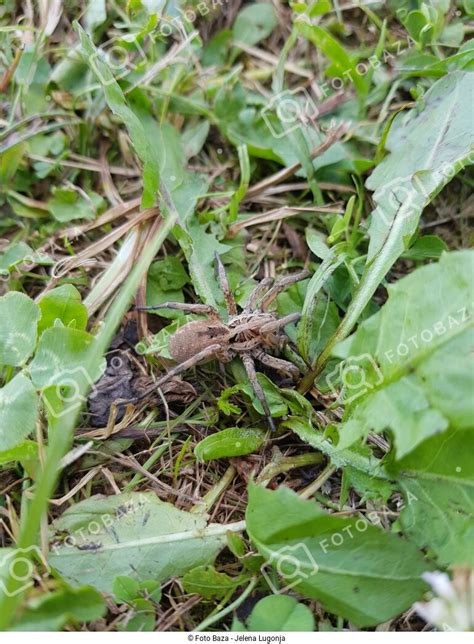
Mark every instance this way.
x=452 y=609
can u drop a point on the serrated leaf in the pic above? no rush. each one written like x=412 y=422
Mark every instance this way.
x=134 y=534
x=234 y=441
x=410 y=363
x=437 y=480
x=18 y=328
x=414 y=172
x=418 y=168
x=200 y=248
x=356 y=570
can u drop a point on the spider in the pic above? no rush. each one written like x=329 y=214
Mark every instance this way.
x=247 y=334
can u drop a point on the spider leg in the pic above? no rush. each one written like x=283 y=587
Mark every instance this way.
x=280 y=286
x=199 y=309
x=224 y=282
x=211 y=350
x=283 y=366
x=270 y=327
x=256 y=294
x=256 y=386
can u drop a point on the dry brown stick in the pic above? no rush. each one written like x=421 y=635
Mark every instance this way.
x=277 y=214
x=8 y=73
x=104 y=242
x=286 y=173
x=173 y=614
x=132 y=463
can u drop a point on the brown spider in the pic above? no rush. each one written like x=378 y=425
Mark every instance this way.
x=246 y=334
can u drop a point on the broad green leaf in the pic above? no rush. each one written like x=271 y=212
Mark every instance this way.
x=408 y=368
x=67 y=204
x=234 y=441
x=200 y=248
x=254 y=23
x=64 y=304
x=281 y=614
x=133 y=534
x=24 y=451
x=194 y=137
x=427 y=247
x=469 y=7
x=416 y=169
x=274 y=396
x=61 y=369
x=10 y=160
x=52 y=611
x=18 y=254
x=367 y=487
x=169 y=274
x=60 y=358
x=115 y=98
x=143 y=619
x=217 y=49
x=412 y=174
x=209 y=583
x=18 y=328
x=95 y=15
x=13 y=255
x=165 y=281
x=263 y=131
x=18 y=412
x=127 y=590
x=356 y=570
x=437 y=480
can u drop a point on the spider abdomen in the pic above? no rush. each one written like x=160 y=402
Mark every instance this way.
x=195 y=336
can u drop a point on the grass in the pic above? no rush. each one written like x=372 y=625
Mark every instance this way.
x=133 y=147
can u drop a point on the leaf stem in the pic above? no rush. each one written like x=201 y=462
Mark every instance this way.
x=228 y=609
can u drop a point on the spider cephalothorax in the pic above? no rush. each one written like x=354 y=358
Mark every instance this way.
x=247 y=334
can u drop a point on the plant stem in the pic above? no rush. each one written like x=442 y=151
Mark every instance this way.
x=216 y=490
x=317 y=483
x=225 y=611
